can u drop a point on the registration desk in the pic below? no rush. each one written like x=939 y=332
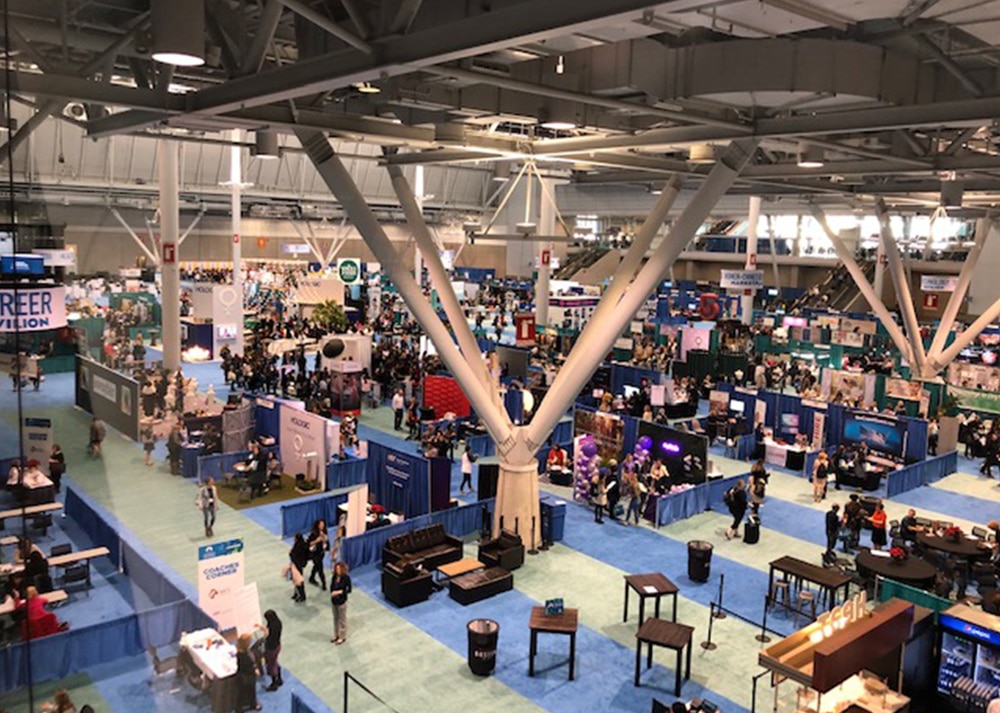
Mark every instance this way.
x=784 y=455
x=215 y=659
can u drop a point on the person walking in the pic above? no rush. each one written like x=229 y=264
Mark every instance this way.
x=57 y=466
x=832 y=530
x=298 y=558
x=878 y=521
x=736 y=500
x=319 y=544
x=272 y=648
x=468 y=458
x=398 y=406
x=632 y=489
x=208 y=502
x=98 y=431
x=340 y=588
x=413 y=421
x=820 y=474
x=757 y=485
x=148 y=438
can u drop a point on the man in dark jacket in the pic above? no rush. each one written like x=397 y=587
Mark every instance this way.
x=832 y=529
x=853 y=518
x=736 y=499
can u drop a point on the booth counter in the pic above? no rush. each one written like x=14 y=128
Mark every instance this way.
x=861 y=692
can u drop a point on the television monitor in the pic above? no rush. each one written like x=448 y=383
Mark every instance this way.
x=737 y=406
x=514 y=362
x=881 y=433
x=684 y=454
x=631 y=391
x=598 y=393
x=794 y=322
x=790 y=422
x=226 y=331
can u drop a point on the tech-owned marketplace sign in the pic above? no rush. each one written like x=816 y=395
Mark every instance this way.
x=32 y=309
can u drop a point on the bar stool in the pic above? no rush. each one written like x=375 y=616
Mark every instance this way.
x=780 y=587
x=806 y=596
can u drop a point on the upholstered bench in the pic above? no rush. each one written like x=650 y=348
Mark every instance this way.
x=476 y=586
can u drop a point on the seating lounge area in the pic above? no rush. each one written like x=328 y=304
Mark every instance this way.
x=429 y=547
x=505 y=551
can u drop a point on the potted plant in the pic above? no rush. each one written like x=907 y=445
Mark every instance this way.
x=330 y=316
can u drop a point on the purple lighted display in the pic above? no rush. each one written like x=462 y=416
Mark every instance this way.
x=670 y=447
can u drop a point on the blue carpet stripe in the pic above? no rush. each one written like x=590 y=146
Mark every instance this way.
x=947 y=502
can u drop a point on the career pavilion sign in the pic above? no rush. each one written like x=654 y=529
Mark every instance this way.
x=32 y=309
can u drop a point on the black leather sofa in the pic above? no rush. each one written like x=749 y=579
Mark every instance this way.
x=506 y=551
x=403 y=584
x=430 y=547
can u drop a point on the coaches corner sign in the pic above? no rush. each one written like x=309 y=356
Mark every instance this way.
x=32 y=309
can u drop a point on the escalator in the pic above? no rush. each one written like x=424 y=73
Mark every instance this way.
x=837 y=292
x=580 y=261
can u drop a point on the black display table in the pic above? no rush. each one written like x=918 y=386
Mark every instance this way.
x=964 y=547
x=913 y=570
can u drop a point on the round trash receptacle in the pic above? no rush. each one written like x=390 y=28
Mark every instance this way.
x=483 y=635
x=699 y=560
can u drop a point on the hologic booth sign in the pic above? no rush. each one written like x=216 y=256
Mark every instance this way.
x=32 y=309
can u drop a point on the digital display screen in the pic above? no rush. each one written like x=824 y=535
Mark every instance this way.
x=684 y=454
x=790 y=422
x=886 y=435
x=737 y=406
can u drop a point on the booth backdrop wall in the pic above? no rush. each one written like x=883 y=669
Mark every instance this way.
x=112 y=397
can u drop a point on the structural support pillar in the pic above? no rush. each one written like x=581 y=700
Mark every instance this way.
x=171 y=282
x=746 y=301
x=954 y=306
x=546 y=226
x=904 y=297
x=878 y=282
x=236 y=207
x=418 y=262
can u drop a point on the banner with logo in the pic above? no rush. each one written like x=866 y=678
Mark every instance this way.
x=221 y=570
x=742 y=279
x=938 y=283
x=313 y=290
x=819 y=426
x=32 y=309
x=693 y=338
x=37 y=440
x=976 y=400
x=349 y=270
x=303 y=444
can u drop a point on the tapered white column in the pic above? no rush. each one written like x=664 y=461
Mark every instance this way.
x=418 y=262
x=957 y=298
x=878 y=283
x=236 y=208
x=546 y=226
x=904 y=297
x=746 y=301
x=171 y=283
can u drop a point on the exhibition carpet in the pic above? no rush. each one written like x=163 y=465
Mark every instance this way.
x=949 y=504
x=230 y=495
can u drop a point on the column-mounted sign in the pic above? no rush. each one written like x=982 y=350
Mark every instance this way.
x=742 y=279
x=31 y=309
x=546 y=257
x=169 y=253
x=525 y=329
x=931 y=301
x=938 y=283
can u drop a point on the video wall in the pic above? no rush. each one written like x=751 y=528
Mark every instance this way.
x=881 y=433
x=608 y=431
x=684 y=454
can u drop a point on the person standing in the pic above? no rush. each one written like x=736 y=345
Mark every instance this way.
x=299 y=558
x=98 y=431
x=319 y=544
x=736 y=500
x=208 y=502
x=148 y=438
x=599 y=497
x=57 y=466
x=632 y=489
x=398 y=405
x=758 y=485
x=246 y=677
x=272 y=648
x=832 y=530
x=413 y=421
x=340 y=588
x=468 y=458
x=878 y=521
x=821 y=472
x=613 y=490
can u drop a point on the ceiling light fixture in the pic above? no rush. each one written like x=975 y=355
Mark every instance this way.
x=701 y=153
x=560 y=65
x=179 y=32
x=366 y=88
x=558 y=125
x=811 y=156
x=266 y=144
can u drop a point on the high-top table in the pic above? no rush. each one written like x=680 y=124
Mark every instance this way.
x=542 y=623
x=653 y=585
x=830 y=581
x=669 y=635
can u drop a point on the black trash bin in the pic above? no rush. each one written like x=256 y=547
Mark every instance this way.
x=483 y=634
x=699 y=560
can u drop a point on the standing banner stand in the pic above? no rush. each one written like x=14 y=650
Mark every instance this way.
x=221 y=568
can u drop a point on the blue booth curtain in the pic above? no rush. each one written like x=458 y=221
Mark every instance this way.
x=300 y=515
x=398 y=480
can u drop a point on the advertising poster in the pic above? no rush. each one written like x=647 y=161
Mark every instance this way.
x=608 y=431
x=847 y=339
x=37 y=443
x=850 y=385
x=988 y=401
x=246 y=608
x=357 y=509
x=221 y=569
x=863 y=326
x=881 y=433
x=819 y=427
x=693 y=338
x=303 y=443
x=718 y=403
x=760 y=412
x=30 y=309
x=903 y=389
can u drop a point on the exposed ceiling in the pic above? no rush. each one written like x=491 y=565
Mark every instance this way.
x=895 y=95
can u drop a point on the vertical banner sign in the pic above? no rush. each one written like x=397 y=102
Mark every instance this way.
x=525 y=324
x=37 y=443
x=221 y=569
x=760 y=412
x=819 y=425
x=303 y=439
x=546 y=257
x=169 y=253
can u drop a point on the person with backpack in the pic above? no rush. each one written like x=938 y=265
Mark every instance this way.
x=736 y=500
x=758 y=484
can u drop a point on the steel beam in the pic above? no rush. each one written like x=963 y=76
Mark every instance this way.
x=328 y=25
x=965 y=338
x=406 y=13
x=270 y=16
x=154 y=259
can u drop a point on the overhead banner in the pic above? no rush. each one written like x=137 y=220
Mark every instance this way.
x=303 y=444
x=54 y=257
x=221 y=570
x=938 y=283
x=742 y=279
x=37 y=440
x=32 y=309
x=976 y=400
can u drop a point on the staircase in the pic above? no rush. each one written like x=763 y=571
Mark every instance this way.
x=580 y=261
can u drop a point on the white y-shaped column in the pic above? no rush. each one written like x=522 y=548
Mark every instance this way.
x=904 y=297
x=858 y=275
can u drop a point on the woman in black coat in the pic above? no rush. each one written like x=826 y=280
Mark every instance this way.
x=272 y=648
x=246 y=677
x=299 y=556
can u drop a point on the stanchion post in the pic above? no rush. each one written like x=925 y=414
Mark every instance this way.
x=719 y=614
x=533 y=550
x=346 y=682
x=709 y=645
x=762 y=637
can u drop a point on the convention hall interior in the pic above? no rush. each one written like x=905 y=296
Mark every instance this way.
x=500 y=356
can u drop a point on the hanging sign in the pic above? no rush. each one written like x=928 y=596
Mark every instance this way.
x=169 y=253
x=931 y=301
x=221 y=571
x=938 y=283
x=30 y=309
x=525 y=326
x=22 y=265
x=819 y=426
x=742 y=279
x=546 y=257
x=349 y=271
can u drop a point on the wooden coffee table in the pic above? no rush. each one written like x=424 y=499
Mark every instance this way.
x=649 y=585
x=458 y=568
x=565 y=623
